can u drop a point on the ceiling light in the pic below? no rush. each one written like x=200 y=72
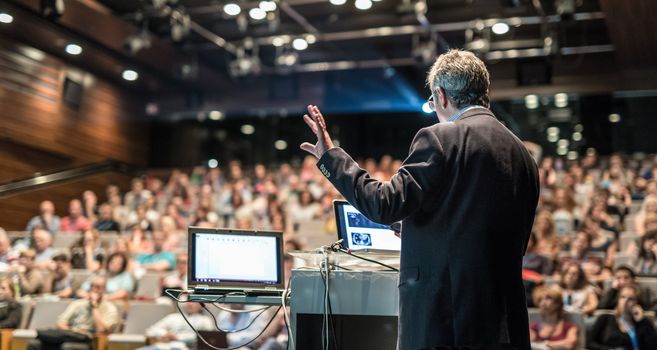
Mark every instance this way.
x=426 y=108
x=553 y=138
x=572 y=155
x=531 y=101
x=500 y=28
x=130 y=75
x=216 y=115
x=577 y=136
x=562 y=151
x=363 y=4
x=563 y=143
x=278 y=41
x=257 y=14
x=213 y=163
x=561 y=100
x=6 y=18
x=553 y=130
x=267 y=5
x=338 y=2
x=300 y=44
x=232 y=9
x=73 y=49
x=579 y=127
x=614 y=118
x=247 y=129
x=280 y=145
x=310 y=39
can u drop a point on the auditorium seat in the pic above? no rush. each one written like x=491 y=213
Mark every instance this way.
x=149 y=286
x=65 y=240
x=44 y=316
x=630 y=224
x=626 y=238
x=139 y=317
x=623 y=259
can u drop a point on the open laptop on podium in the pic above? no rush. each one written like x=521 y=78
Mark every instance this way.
x=358 y=233
x=230 y=261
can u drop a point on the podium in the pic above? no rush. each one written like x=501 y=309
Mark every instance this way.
x=364 y=303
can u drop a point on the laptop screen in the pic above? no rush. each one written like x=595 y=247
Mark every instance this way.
x=359 y=232
x=235 y=258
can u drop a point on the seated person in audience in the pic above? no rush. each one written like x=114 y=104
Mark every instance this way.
x=578 y=294
x=178 y=278
x=230 y=321
x=43 y=247
x=61 y=277
x=650 y=222
x=139 y=242
x=119 y=282
x=11 y=311
x=579 y=254
x=626 y=329
x=159 y=260
x=649 y=206
x=645 y=262
x=7 y=253
x=547 y=243
x=106 y=221
x=75 y=221
x=552 y=331
x=93 y=315
x=624 y=276
x=601 y=240
x=31 y=279
x=172 y=332
x=46 y=219
x=88 y=253
x=534 y=261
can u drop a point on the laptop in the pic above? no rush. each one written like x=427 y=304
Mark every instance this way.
x=223 y=261
x=358 y=233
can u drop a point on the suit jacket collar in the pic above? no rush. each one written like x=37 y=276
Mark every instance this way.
x=476 y=111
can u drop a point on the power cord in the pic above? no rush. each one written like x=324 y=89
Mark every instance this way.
x=179 y=301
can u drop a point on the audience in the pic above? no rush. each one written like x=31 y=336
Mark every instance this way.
x=46 y=219
x=11 y=311
x=626 y=328
x=552 y=331
x=173 y=332
x=578 y=294
x=585 y=207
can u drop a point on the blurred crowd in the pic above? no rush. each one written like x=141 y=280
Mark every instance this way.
x=593 y=245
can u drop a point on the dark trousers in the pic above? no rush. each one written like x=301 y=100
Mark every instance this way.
x=37 y=345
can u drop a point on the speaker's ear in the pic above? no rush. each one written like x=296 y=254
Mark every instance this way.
x=442 y=97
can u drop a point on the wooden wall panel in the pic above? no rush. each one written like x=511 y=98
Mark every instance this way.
x=40 y=132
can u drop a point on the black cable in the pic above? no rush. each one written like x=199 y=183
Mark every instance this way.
x=342 y=250
x=234 y=330
x=178 y=302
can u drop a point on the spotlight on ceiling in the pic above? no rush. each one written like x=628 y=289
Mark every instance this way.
x=338 y=2
x=130 y=75
x=300 y=44
x=73 y=49
x=6 y=18
x=531 y=101
x=280 y=145
x=257 y=14
x=247 y=129
x=426 y=108
x=216 y=115
x=232 y=9
x=500 y=28
x=561 y=100
x=363 y=4
x=267 y=5
x=614 y=118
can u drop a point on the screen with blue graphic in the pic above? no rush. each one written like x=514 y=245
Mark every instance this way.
x=358 y=232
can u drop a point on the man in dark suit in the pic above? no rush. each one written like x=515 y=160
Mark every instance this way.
x=466 y=195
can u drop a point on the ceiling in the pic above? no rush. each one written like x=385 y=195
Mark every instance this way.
x=593 y=46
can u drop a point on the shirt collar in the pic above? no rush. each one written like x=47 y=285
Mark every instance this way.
x=458 y=114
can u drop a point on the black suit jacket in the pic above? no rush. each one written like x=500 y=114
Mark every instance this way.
x=466 y=195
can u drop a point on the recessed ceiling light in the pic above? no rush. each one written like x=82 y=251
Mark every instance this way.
x=232 y=9
x=267 y=5
x=257 y=14
x=247 y=129
x=280 y=145
x=73 y=49
x=363 y=4
x=300 y=44
x=614 y=118
x=130 y=75
x=6 y=18
x=500 y=28
x=338 y=2
x=216 y=115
